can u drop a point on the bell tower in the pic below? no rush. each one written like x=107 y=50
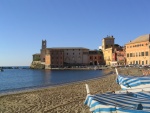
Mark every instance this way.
x=43 y=50
x=43 y=44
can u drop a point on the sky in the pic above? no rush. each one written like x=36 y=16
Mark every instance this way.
x=67 y=23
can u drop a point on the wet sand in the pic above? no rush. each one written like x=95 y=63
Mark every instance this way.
x=67 y=98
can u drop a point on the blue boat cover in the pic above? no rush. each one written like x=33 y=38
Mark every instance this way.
x=138 y=102
x=132 y=81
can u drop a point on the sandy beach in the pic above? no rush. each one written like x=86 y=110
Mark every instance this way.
x=67 y=98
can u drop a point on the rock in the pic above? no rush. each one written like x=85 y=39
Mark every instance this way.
x=37 y=65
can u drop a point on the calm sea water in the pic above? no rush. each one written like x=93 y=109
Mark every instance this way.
x=21 y=79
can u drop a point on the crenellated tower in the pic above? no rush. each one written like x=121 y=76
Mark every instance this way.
x=107 y=48
x=108 y=42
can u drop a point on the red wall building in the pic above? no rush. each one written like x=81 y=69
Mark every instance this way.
x=119 y=56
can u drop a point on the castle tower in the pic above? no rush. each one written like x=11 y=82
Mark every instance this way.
x=107 y=48
x=108 y=42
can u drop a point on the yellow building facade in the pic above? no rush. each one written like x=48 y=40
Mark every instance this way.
x=108 y=56
x=107 y=48
x=138 y=50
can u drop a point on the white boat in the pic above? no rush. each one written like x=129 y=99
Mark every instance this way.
x=1 y=70
x=133 y=83
x=120 y=102
x=135 y=98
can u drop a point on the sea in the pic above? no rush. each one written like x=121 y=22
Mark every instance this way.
x=20 y=78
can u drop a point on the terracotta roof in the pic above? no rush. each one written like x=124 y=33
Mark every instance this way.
x=67 y=48
x=141 y=39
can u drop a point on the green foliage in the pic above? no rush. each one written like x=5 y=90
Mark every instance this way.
x=100 y=51
x=36 y=59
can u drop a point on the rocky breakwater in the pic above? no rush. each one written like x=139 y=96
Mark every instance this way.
x=37 y=65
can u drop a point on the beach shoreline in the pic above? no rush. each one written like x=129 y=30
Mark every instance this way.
x=66 y=98
x=28 y=89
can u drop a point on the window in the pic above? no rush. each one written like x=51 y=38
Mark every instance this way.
x=136 y=54
x=142 y=53
x=127 y=54
x=130 y=54
x=146 y=53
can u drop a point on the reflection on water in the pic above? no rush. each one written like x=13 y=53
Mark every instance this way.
x=14 y=79
x=47 y=76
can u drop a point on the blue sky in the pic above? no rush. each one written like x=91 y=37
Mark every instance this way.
x=67 y=23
